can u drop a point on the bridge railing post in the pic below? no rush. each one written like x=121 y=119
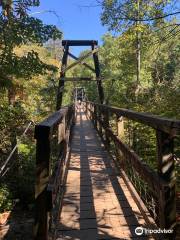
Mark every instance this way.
x=42 y=179
x=166 y=170
x=95 y=116
x=159 y=193
x=91 y=111
x=99 y=114
x=121 y=136
x=105 y=116
x=52 y=157
x=86 y=108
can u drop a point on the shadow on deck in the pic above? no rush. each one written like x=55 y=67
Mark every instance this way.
x=97 y=203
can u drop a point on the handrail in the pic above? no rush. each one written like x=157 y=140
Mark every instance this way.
x=160 y=182
x=154 y=121
x=52 y=134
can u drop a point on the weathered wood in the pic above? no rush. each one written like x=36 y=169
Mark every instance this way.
x=98 y=76
x=42 y=178
x=120 y=128
x=76 y=79
x=156 y=122
x=45 y=189
x=50 y=123
x=83 y=63
x=95 y=116
x=79 y=42
x=148 y=175
x=61 y=81
x=95 y=193
x=162 y=183
x=120 y=134
x=81 y=59
x=166 y=170
x=106 y=123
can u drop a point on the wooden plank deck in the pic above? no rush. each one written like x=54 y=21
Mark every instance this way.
x=97 y=203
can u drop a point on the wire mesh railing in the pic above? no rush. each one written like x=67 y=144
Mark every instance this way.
x=143 y=147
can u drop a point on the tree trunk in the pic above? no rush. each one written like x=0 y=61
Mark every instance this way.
x=138 y=51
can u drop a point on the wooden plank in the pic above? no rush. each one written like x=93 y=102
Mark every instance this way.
x=76 y=79
x=83 y=63
x=47 y=125
x=147 y=174
x=167 y=125
x=79 y=42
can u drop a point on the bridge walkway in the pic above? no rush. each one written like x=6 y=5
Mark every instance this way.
x=97 y=203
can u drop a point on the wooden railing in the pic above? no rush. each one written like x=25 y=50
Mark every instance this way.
x=160 y=183
x=52 y=154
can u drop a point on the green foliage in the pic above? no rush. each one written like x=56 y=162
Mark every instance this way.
x=26 y=177
x=28 y=79
x=17 y=29
x=6 y=202
x=120 y=15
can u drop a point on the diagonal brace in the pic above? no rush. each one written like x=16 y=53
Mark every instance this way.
x=83 y=63
x=81 y=59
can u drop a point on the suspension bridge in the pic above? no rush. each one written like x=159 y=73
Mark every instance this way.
x=89 y=183
x=92 y=192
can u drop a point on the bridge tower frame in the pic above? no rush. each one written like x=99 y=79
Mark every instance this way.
x=64 y=68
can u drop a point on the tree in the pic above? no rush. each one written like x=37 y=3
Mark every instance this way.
x=135 y=15
x=21 y=38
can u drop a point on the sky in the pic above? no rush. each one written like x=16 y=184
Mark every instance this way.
x=76 y=21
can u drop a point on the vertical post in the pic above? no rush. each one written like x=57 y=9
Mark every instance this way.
x=167 y=200
x=87 y=106
x=61 y=80
x=99 y=85
x=91 y=111
x=42 y=179
x=106 y=122
x=97 y=69
x=138 y=47
x=120 y=135
x=99 y=114
x=95 y=116
x=120 y=127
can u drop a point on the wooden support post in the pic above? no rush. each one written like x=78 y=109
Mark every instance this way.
x=87 y=109
x=97 y=69
x=42 y=179
x=166 y=162
x=91 y=112
x=120 y=135
x=120 y=128
x=61 y=80
x=106 y=122
x=99 y=114
x=95 y=116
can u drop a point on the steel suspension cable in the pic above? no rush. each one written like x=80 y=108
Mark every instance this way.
x=3 y=171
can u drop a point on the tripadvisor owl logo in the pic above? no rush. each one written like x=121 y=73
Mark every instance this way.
x=139 y=231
